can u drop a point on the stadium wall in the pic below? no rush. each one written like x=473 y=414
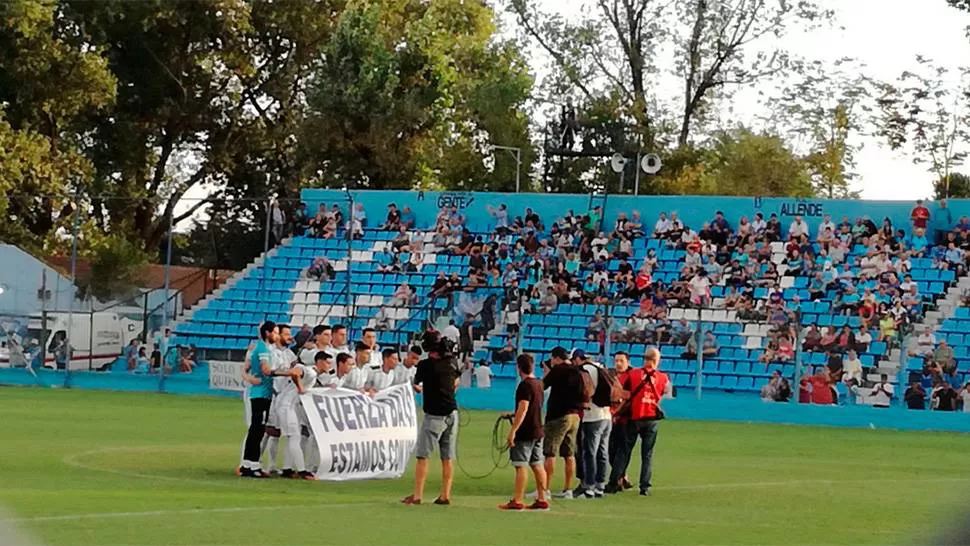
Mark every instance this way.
x=694 y=211
x=713 y=406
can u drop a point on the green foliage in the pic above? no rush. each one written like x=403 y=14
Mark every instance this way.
x=956 y=187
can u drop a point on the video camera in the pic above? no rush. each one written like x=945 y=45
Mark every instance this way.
x=433 y=341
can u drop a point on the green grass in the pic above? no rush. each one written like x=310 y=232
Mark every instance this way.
x=151 y=469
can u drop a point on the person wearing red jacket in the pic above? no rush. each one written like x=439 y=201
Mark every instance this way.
x=645 y=388
x=621 y=431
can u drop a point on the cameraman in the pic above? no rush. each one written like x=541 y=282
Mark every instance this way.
x=438 y=377
x=565 y=404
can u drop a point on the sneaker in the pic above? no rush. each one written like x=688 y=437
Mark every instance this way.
x=514 y=506
x=442 y=502
x=612 y=489
x=244 y=472
x=305 y=475
x=539 y=506
x=565 y=494
x=582 y=492
x=288 y=473
x=535 y=494
x=598 y=493
x=410 y=500
x=644 y=492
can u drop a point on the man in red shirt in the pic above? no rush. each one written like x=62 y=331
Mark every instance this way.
x=920 y=215
x=645 y=388
x=622 y=436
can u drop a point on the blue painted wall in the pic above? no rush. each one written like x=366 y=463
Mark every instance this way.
x=693 y=210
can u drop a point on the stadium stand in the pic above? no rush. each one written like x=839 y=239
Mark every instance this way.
x=769 y=294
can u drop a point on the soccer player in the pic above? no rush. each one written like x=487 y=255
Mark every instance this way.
x=260 y=394
x=370 y=339
x=404 y=374
x=339 y=339
x=326 y=377
x=283 y=360
x=383 y=377
x=290 y=421
x=320 y=341
x=344 y=371
x=525 y=437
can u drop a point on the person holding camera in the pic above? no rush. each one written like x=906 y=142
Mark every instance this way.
x=644 y=388
x=566 y=403
x=438 y=377
x=525 y=437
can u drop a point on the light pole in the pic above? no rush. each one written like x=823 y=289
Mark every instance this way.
x=517 y=152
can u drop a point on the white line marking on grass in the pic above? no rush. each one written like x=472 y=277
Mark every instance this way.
x=149 y=513
x=746 y=485
x=72 y=461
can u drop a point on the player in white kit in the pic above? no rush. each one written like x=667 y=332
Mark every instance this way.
x=291 y=417
x=283 y=360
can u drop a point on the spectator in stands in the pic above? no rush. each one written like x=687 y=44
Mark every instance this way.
x=142 y=364
x=887 y=326
x=944 y=397
x=130 y=353
x=813 y=339
x=918 y=244
x=798 y=229
x=778 y=389
x=360 y=214
x=882 y=393
x=596 y=328
x=829 y=339
x=501 y=215
x=965 y=397
x=401 y=242
x=924 y=344
x=548 y=302
x=852 y=369
x=662 y=227
x=387 y=261
x=920 y=216
x=820 y=387
x=944 y=358
x=862 y=340
x=700 y=289
x=709 y=346
x=506 y=354
x=402 y=297
x=321 y=270
x=393 y=220
x=915 y=396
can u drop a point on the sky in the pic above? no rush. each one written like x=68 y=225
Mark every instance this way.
x=886 y=36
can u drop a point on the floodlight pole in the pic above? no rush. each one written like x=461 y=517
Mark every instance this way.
x=517 y=152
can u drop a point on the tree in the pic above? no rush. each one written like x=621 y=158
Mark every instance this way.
x=957 y=187
x=741 y=162
x=412 y=93
x=823 y=113
x=927 y=115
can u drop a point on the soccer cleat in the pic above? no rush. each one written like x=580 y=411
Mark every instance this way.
x=442 y=502
x=565 y=494
x=513 y=506
x=539 y=506
x=304 y=475
x=410 y=500
x=261 y=474
x=244 y=472
x=288 y=473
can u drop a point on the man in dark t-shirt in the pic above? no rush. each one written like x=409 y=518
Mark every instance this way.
x=525 y=437
x=438 y=376
x=565 y=386
x=915 y=396
x=946 y=398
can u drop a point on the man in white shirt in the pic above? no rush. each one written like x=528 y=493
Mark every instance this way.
x=852 y=367
x=320 y=341
x=404 y=374
x=827 y=223
x=451 y=332
x=596 y=425
x=501 y=215
x=370 y=339
x=924 y=344
x=700 y=289
x=798 y=227
x=759 y=224
x=965 y=397
x=882 y=393
x=356 y=378
x=383 y=377
x=292 y=418
x=483 y=375
x=662 y=226
x=338 y=337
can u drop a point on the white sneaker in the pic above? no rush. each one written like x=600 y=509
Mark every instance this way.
x=535 y=495
x=567 y=494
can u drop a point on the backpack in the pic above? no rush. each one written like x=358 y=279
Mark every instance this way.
x=608 y=389
x=586 y=387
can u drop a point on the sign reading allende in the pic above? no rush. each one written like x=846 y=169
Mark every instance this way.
x=360 y=437
x=797 y=207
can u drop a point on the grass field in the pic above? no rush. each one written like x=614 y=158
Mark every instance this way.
x=82 y=467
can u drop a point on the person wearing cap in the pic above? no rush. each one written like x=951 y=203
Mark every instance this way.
x=564 y=407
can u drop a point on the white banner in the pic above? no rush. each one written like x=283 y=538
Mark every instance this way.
x=225 y=376
x=360 y=437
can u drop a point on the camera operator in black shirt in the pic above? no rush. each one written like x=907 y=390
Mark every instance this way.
x=438 y=376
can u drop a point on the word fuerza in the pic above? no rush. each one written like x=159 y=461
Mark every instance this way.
x=340 y=413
